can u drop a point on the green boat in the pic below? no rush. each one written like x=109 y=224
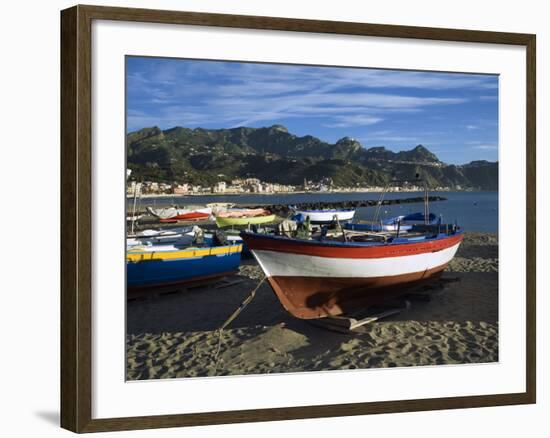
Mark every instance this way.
x=243 y=221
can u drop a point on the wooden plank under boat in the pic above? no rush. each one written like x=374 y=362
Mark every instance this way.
x=318 y=278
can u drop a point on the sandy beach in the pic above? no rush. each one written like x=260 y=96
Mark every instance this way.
x=455 y=321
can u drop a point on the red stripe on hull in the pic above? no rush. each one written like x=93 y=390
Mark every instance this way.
x=191 y=216
x=313 y=248
x=317 y=297
x=186 y=217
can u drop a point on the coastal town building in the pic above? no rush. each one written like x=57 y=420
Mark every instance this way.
x=255 y=185
x=219 y=187
x=180 y=189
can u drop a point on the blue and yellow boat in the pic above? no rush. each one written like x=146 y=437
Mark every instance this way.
x=151 y=266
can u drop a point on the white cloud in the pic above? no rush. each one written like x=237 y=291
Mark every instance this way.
x=225 y=93
x=358 y=120
x=486 y=147
x=411 y=79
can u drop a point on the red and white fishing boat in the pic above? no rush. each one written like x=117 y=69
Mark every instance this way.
x=326 y=276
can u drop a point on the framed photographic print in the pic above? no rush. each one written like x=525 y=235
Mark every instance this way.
x=268 y=218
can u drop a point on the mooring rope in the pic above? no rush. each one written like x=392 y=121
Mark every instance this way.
x=228 y=321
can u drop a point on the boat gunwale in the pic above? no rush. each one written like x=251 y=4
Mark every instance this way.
x=293 y=241
x=332 y=210
x=232 y=248
x=242 y=221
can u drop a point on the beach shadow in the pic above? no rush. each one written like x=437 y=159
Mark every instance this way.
x=473 y=298
x=50 y=417
x=205 y=309
x=467 y=298
x=317 y=332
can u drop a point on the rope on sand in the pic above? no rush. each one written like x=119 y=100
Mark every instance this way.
x=228 y=321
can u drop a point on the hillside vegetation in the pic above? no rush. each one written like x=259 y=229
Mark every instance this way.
x=272 y=154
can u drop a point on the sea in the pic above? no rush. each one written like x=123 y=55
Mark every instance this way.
x=473 y=211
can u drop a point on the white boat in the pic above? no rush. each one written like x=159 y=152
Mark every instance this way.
x=324 y=216
x=181 y=236
x=219 y=207
x=401 y=223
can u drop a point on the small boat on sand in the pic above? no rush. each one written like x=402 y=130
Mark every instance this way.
x=333 y=274
x=173 y=235
x=165 y=265
x=244 y=217
x=180 y=235
x=323 y=216
x=174 y=214
x=218 y=207
x=401 y=223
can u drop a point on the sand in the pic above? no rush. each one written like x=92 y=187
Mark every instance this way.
x=453 y=322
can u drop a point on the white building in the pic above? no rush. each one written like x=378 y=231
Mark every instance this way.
x=220 y=187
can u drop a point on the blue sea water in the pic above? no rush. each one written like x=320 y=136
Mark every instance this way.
x=474 y=211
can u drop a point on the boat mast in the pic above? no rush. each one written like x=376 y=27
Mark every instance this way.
x=379 y=203
x=426 y=203
x=385 y=190
x=134 y=207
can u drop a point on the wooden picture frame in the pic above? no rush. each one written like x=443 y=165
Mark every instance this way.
x=76 y=218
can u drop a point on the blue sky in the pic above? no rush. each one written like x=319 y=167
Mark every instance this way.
x=453 y=115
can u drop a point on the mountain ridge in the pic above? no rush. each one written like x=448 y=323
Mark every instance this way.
x=273 y=154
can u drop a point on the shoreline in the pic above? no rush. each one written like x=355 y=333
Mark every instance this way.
x=284 y=209
x=231 y=194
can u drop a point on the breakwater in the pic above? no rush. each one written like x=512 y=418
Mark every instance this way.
x=283 y=209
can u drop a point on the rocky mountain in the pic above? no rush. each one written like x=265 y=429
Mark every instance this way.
x=204 y=156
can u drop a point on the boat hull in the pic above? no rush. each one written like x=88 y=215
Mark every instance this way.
x=191 y=216
x=317 y=297
x=325 y=216
x=172 y=213
x=159 y=269
x=313 y=280
x=243 y=221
